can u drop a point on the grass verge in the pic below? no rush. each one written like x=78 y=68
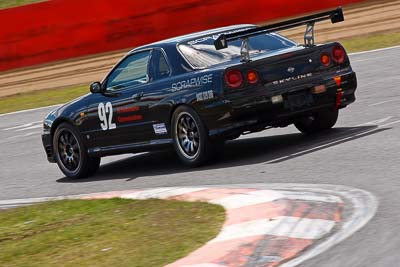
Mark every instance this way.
x=56 y=96
x=370 y=42
x=112 y=232
x=41 y=98
x=14 y=3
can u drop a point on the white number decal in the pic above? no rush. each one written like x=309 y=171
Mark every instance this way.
x=103 y=111
x=109 y=110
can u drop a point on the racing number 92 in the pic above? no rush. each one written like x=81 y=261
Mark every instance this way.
x=105 y=116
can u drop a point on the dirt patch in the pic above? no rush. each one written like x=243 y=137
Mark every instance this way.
x=360 y=19
x=366 y=18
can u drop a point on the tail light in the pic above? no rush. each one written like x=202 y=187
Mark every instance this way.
x=325 y=59
x=233 y=78
x=338 y=54
x=252 y=77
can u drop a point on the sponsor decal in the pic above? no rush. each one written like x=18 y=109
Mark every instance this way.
x=205 y=95
x=293 y=78
x=129 y=118
x=214 y=36
x=127 y=109
x=160 y=128
x=193 y=82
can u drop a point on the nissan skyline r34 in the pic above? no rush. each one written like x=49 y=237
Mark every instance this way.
x=196 y=91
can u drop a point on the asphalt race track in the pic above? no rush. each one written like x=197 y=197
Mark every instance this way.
x=363 y=151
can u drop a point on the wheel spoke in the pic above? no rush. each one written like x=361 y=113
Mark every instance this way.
x=188 y=123
x=62 y=140
x=74 y=142
x=191 y=147
x=186 y=144
x=182 y=129
x=70 y=138
x=183 y=123
x=193 y=126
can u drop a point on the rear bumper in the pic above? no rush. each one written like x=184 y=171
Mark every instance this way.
x=48 y=148
x=254 y=112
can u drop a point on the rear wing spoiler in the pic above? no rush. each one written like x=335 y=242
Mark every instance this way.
x=335 y=16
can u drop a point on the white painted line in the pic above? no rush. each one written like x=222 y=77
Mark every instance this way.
x=30 y=110
x=374 y=50
x=283 y=226
x=278 y=159
x=8 y=139
x=390 y=123
x=29 y=128
x=246 y=199
x=22 y=126
x=370 y=58
x=383 y=102
x=375 y=122
x=164 y=192
x=295 y=195
x=338 y=140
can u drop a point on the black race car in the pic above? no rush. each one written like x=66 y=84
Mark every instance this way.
x=196 y=91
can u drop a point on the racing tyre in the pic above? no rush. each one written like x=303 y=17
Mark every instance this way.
x=317 y=122
x=191 y=140
x=70 y=153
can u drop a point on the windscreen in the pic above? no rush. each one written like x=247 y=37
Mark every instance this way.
x=201 y=52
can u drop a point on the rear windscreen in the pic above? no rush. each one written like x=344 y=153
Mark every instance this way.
x=201 y=52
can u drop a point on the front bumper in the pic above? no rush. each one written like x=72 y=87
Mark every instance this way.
x=48 y=147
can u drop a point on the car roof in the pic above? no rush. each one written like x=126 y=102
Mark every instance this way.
x=184 y=38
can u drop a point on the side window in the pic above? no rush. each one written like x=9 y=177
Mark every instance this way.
x=159 y=67
x=131 y=71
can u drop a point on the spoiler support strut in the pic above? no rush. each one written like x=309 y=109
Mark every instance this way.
x=309 y=35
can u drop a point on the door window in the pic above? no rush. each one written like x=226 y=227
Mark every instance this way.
x=131 y=71
x=159 y=67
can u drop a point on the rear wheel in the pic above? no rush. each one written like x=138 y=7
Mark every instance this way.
x=317 y=122
x=70 y=153
x=191 y=140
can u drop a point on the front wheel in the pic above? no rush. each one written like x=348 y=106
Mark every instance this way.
x=70 y=153
x=191 y=140
x=320 y=121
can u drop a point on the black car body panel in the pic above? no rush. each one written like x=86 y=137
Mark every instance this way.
x=135 y=117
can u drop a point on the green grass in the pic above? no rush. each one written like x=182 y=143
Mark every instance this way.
x=14 y=3
x=40 y=98
x=370 y=42
x=112 y=232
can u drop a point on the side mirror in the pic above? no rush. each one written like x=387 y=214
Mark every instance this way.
x=95 y=87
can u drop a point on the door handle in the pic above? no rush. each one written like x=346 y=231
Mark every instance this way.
x=137 y=96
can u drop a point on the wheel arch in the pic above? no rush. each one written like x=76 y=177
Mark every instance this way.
x=175 y=107
x=57 y=122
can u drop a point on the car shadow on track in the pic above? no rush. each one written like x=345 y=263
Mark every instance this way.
x=258 y=150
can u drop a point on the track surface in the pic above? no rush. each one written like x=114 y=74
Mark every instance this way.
x=362 y=152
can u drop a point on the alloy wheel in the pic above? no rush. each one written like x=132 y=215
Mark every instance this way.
x=187 y=133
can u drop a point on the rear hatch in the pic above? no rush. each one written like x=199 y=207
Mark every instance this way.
x=287 y=70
